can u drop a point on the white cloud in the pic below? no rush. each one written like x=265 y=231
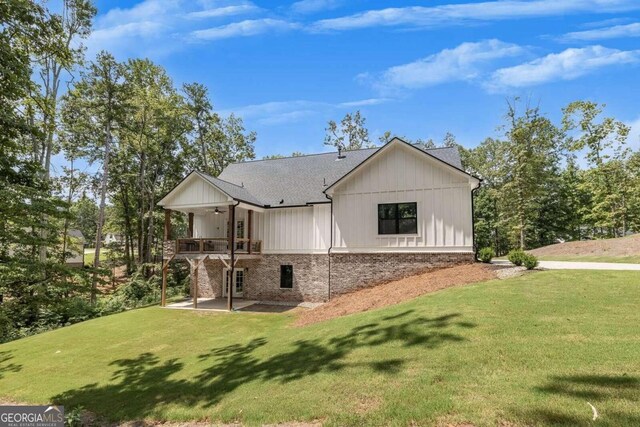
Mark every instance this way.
x=466 y=12
x=566 y=65
x=616 y=31
x=462 y=63
x=156 y=27
x=219 y=12
x=250 y=27
x=280 y=112
x=312 y=6
x=364 y=102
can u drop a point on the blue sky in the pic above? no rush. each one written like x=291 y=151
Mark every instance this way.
x=418 y=68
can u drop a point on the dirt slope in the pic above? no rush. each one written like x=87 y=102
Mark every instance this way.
x=396 y=292
x=623 y=246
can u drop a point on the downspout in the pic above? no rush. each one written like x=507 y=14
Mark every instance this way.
x=330 y=245
x=473 y=221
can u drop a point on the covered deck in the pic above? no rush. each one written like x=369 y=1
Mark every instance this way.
x=220 y=226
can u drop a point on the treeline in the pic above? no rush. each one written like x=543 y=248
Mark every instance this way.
x=128 y=122
x=546 y=182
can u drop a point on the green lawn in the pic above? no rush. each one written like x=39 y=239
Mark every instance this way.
x=531 y=350
x=590 y=258
x=90 y=255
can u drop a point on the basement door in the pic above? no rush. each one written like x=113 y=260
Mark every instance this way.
x=238 y=281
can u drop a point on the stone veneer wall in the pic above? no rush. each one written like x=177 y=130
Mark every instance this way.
x=168 y=248
x=209 y=278
x=351 y=271
x=310 y=277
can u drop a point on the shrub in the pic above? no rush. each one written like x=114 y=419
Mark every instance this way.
x=530 y=261
x=486 y=254
x=516 y=257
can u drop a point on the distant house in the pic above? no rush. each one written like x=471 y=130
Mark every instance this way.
x=310 y=227
x=111 y=238
x=75 y=248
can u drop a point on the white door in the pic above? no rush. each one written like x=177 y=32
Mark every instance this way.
x=238 y=281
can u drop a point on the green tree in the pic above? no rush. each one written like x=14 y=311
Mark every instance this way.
x=93 y=111
x=85 y=214
x=532 y=154
x=604 y=141
x=352 y=133
x=35 y=289
x=217 y=141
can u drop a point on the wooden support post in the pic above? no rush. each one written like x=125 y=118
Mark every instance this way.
x=232 y=243
x=250 y=225
x=167 y=224
x=165 y=268
x=191 y=224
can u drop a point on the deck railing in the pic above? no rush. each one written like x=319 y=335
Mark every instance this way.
x=217 y=245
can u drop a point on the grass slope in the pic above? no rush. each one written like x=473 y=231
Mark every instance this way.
x=623 y=249
x=592 y=258
x=531 y=351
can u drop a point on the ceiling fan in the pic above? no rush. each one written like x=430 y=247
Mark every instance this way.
x=215 y=211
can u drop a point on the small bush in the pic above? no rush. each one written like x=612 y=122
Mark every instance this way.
x=486 y=254
x=516 y=257
x=530 y=261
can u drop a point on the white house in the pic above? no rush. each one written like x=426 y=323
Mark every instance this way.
x=311 y=227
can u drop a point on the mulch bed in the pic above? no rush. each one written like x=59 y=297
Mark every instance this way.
x=397 y=291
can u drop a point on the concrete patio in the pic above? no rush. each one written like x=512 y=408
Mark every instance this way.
x=211 y=304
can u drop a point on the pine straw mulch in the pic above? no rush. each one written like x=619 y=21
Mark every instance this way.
x=397 y=291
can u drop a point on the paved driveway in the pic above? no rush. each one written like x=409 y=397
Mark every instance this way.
x=574 y=265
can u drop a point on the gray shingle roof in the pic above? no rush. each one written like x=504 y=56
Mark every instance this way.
x=233 y=190
x=299 y=180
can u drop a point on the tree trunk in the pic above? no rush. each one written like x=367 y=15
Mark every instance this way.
x=103 y=196
x=65 y=231
x=141 y=187
x=128 y=231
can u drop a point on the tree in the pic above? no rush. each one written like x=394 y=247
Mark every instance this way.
x=93 y=110
x=449 y=140
x=85 y=214
x=61 y=52
x=532 y=153
x=217 y=141
x=351 y=135
x=606 y=181
x=33 y=287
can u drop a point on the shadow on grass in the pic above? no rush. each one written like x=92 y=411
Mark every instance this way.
x=141 y=385
x=6 y=365
x=601 y=391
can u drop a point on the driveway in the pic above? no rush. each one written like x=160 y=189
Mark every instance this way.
x=574 y=265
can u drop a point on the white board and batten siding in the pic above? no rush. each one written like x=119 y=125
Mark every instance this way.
x=442 y=194
x=194 y=192
x=294 y=230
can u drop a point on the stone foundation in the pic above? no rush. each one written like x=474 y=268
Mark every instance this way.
x=349 y=272
x=209 y=278
x=310 y=278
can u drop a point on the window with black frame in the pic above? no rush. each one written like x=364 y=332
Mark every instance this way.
x=286 y=276
x=398 y=218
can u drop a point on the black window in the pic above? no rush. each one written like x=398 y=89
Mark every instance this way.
x=286 y=276
x=398 y=218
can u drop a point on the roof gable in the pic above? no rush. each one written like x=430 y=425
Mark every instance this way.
x=451 y=167
x=194 y=190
